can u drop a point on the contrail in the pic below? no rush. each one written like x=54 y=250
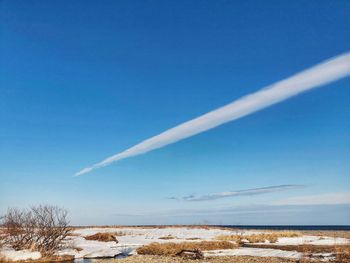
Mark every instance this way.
x=317 y=76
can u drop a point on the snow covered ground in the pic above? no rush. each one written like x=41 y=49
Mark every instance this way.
x=311 y=240
x=130 y=238
x=11 y=254
x=257 y=252
x=143 y=236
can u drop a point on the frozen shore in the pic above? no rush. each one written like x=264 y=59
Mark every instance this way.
x=130 y=238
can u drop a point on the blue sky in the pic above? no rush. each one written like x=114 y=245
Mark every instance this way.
x=81 y=81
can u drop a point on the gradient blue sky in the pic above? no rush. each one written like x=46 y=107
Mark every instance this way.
x=82 y=80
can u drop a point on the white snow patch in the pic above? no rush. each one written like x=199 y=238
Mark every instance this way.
x=256 y=252
x=143 y=236
x=312 y=240
x=133 y=238
x=82 y=248
x=15 y=255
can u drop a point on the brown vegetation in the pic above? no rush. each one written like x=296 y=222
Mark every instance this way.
x=42 y=228
x=167 y=237
x=301 y=248
x=235 y=238
x=262 y=238
x=120 y=233
x=221 y=259
x=172 y=249
x=342 y=253
x=47 y=259
x=328 y=233
x=259 y=238
x=104 y=237
x=190 y=254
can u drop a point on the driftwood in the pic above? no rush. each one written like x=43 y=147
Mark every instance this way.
x=190 y=254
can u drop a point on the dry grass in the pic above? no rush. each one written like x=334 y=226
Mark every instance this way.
x=221 y=259
x=259 y=238
x=120 y=233
x=342 y=253
x=329 y=233
x=104 y=237
x=63 y=258
x=3 y=260
x=262 y=238
x=193 y=238
x=235 y=238
x=300 y=248
x=171 y=249
x=168 y=237
x=288 y=233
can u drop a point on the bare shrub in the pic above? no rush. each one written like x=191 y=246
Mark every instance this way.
x=41 y=228
x=171 y=249
x=104 y=237
x=2 y=237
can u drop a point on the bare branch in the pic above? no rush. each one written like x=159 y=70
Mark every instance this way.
x=41 y=228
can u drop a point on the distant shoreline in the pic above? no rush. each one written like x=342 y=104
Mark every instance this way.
x=249 y=227
x=292 y=227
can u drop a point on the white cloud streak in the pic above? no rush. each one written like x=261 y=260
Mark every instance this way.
x=321 y=199
x=246 y=192
x=317 y=76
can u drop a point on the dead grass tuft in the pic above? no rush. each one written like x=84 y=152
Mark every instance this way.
x=3 y=260
x=259 y=238
x=342 y=253
x=288 y=234
x=104 y=237
x=47 y=259
x=167 y=237
x=120 y=233
x=78 y=249
x=235 y=238
x=221 y=259
x=262 y=238
x=171 y=249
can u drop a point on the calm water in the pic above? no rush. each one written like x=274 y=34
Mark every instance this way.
x=298 y=227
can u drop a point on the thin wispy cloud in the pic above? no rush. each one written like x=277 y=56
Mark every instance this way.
x=246 y=192
x=321 y=199
x=317 y=76
x=257 y=208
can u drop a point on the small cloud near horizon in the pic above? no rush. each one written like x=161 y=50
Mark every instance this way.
x=321 y=199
